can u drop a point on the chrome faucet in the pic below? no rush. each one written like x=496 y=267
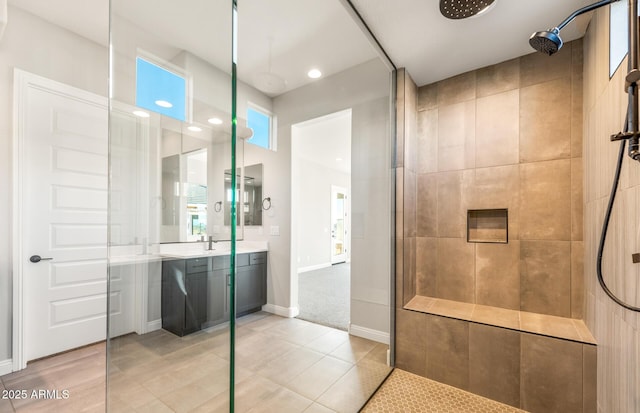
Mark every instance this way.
x=211 y=241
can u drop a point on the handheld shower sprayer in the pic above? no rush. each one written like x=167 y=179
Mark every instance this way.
x=549 y=42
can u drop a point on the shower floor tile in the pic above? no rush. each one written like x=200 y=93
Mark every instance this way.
x=407 y=392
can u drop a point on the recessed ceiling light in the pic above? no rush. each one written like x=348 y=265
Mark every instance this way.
x=314 y=73
x=215 y=121
x=141 y=113
x=338 y=159
x=193 y=128
x=164 y=104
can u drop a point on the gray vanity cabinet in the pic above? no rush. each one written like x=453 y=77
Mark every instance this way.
x=184 y=295
x=252 y=284
x=218 y=290
x=218 y=293
x=196 y=291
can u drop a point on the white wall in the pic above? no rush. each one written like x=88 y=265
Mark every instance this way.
x=314 y=211
x=321 y=152
x=371 y=216
x=358 y=87
x=36 y=46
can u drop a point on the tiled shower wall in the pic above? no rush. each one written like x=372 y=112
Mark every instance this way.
x=537 y=373
x=504 y=136
x=617 y=330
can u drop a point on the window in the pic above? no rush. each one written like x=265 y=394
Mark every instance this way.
x=261 y=122
x=618 y=35
x=160 y=90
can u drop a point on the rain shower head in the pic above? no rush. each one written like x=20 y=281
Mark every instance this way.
x=547 y=42
x=461 y=9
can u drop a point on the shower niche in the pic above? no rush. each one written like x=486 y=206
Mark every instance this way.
x=488 y=226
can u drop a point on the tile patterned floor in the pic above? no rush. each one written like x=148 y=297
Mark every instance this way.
x=282 y=365
x=81 y=372
x=407 y=392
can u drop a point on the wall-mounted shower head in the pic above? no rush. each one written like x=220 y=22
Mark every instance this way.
x=547 y=42
x=461 y=9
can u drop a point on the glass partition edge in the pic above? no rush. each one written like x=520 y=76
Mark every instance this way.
x=234 y=127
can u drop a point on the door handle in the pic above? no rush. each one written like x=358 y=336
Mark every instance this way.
x=37 y=258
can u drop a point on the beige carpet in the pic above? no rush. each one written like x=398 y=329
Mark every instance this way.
x=406 y=392
x=324 y=296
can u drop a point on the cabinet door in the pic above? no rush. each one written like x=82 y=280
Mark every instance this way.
x=172 y=300
x=217 y=290
x=195 y=301
x=251 y=288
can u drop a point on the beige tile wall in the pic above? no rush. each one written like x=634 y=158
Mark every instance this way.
x=407 y=129
x=540 y=269
x=504 y=136
x=536 y=373
x=616 y=329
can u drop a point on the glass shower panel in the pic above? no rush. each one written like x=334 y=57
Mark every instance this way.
x=171 y=140
x=320 y=336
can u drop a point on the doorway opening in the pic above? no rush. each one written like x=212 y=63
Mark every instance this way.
x=321 y=183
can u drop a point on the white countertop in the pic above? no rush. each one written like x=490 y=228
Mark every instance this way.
x=128 y=255
x=207 y=253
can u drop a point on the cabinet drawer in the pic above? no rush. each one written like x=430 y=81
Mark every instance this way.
x=221 y=262
x=196 y=265
x=242 y=260
x=258 y=258
x=224 y=262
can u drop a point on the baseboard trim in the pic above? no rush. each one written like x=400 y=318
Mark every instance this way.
x=313 y=267
x=288 y=312
x=6 y=367
x=154 y=325
x=369 y=334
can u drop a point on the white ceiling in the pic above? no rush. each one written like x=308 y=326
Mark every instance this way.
x=416 y=36
x=319 y=33
x=303 y=34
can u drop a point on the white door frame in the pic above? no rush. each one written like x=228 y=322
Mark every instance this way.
x=21 y=83
x=346 y=224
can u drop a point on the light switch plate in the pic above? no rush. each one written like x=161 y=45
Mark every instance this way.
x=274 y=230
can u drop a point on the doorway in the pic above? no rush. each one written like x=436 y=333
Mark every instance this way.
x=321 y=158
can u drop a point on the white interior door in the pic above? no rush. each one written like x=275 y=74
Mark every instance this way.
x=64 y=216
x=339 y=224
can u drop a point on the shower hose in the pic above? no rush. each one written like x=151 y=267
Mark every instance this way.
x=607 y=218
